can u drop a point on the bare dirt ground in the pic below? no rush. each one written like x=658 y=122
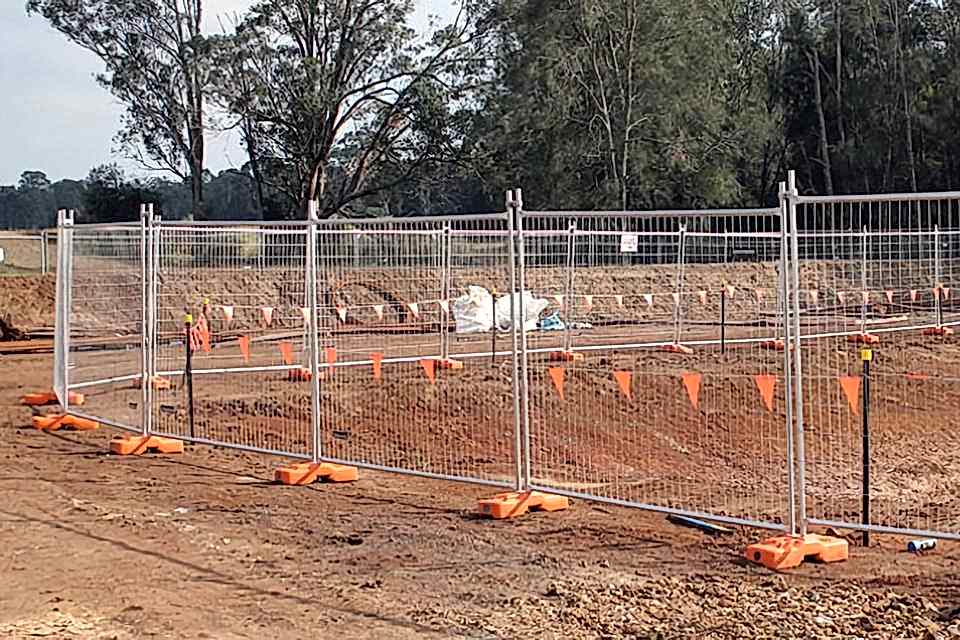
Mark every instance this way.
x=203 y=545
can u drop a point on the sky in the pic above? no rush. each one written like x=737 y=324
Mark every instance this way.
x=55 y=118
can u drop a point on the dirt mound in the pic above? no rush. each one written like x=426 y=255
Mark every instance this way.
x=27 y=302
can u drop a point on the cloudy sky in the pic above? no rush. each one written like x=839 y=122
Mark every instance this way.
x=53 y=115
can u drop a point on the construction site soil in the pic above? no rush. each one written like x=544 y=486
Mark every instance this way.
x=204 y=545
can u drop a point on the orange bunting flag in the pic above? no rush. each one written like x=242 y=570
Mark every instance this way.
x=703 y=297
x=378 y=309
x=815 y=297
x=623 y=379
x=946 y=293
x=759 y=294
x=589 y=300
x=267 y=313
x=227 y=312
x=377 y=359
x=557 y=374
x=342 y=312
x=305 y=312
x=851 y=388
x=937 y=291
x=842 y=297
x=430 y=368
x=559 y=299
x=691 y=382
x=286 y=351
x=676 y=299
x=913 y=295
x=731 y=290
x=244 y=348
x=648 y=298
x=889 y=296
x=766 y=385
x=444 y=306
x=414 y=309
x=619 y=300
x=866 y=297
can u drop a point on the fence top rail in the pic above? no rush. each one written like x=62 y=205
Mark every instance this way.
x=661 y=213
x=879 y=198
x=327 y=222
x=104 y=226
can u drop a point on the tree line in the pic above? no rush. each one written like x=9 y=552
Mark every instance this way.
x=599 y=104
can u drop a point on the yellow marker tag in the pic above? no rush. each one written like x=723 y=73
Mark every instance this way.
x=189 y=318
x=866 y=355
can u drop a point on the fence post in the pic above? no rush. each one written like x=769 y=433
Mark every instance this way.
x=445 y=272
x=313 y=344
x=794 y=232
x=866 y=354
x=937 y=277
x=44 y=259
x=568 y=288
x=146 y=381
x=863 y=282
x=783 y=309
x=518 y=427
x=525 y=378
x=677 y=308
x=61 y=379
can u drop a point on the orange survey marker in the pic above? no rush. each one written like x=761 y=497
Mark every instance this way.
x=863 y=338
x=624 y=379
x=49 y=397
x=57 y=422
x=691 y=382
x=331 y=355
x=787 y=552
x=851 y=388
x=377 y=359
x=558 y=374
x=514 y=504
x=244 y=343
x=774 y=345
x=302 y=473
x=139 y=445
x=286 y=352
x=938 y=331
x=766 y=384
x=300 y=375
x=448 y=364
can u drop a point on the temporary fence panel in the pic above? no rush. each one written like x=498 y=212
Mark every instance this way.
x=103 y=295
x=880 y=443
x=405 y=383
x=666 y=390
x=244 y=290
x=23 y=253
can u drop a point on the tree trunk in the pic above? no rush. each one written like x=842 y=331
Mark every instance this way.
x=814 y=59
x=907 y=117
x=838 y=85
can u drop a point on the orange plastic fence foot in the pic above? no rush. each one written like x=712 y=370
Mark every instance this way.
x=566 y=356
x=138 y=445
x=864 y=338
x=515 y=504
x=301 y=473
x=773 y=345
x=447 y=363
x=678 y=348
x=938 y=331
x=157 y=383
x=49 y=397
x=787 y=552
x=55 y=423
